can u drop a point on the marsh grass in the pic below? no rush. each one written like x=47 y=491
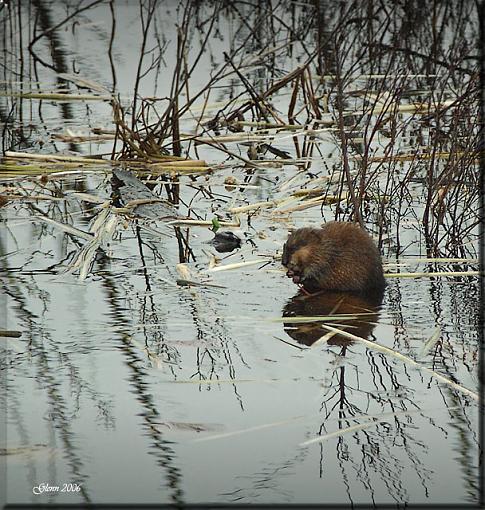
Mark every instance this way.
x=341 y=112
x=391 y=129
x=261 y=117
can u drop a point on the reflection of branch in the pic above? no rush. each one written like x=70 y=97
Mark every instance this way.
x=52 y=29
x=142 y=257
x=402 y=357
x=415 y=53
x=150 y=415
x=57 y=407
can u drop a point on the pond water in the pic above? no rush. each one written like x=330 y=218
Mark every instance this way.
x=130 y=386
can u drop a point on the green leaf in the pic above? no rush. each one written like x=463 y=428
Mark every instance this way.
x=215 y=225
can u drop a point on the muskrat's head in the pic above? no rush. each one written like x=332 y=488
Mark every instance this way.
x=302 y=256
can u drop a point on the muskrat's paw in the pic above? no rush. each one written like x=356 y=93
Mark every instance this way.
x=295 y=276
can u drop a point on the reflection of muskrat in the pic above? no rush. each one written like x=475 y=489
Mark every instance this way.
x=353 y=312
x=340 y=256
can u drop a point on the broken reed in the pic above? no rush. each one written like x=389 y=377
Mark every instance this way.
x=398 y=117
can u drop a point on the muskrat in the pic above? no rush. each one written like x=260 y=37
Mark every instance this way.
x=340 y=256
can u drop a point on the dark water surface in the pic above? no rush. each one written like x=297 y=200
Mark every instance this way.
x=136 y=389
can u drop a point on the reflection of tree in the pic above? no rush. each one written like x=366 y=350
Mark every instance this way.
x=215 y=353
x=215 y=349
x=268 y=480
x=468 y=449
x=376 y=445
x=151 y=416
x=449 y=363
x=41 y=347
x=46 y=24
x=60 y=412
x=211 y=335
x=361 y=32
x=366 y=452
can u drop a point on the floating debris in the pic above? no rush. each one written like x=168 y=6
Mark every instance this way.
x=128 y=189
x=225 y=242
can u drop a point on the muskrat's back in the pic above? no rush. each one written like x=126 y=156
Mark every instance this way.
x=339 y=256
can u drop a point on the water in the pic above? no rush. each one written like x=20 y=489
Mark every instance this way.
x=139 y=390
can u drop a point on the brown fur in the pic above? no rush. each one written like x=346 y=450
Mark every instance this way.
x=340 y=256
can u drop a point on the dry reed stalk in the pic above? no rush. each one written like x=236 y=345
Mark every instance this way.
x=374 y=76
x=84 y=82
x=415 y=156
x=52 y=96
x=175 y=171
x=238 y=138
x=13 y=165
x=443 y=260
x=430 y=274
x=57 y=157
x=81 y=138
x=430 y=343
x=312 y=202
x=66 y=228
x=385 y=350
x=252 y=207
x=373 y=421
x=238 y=265
x=202 y=223
x=179 y=163
x=419 y=108
x=11 y=196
